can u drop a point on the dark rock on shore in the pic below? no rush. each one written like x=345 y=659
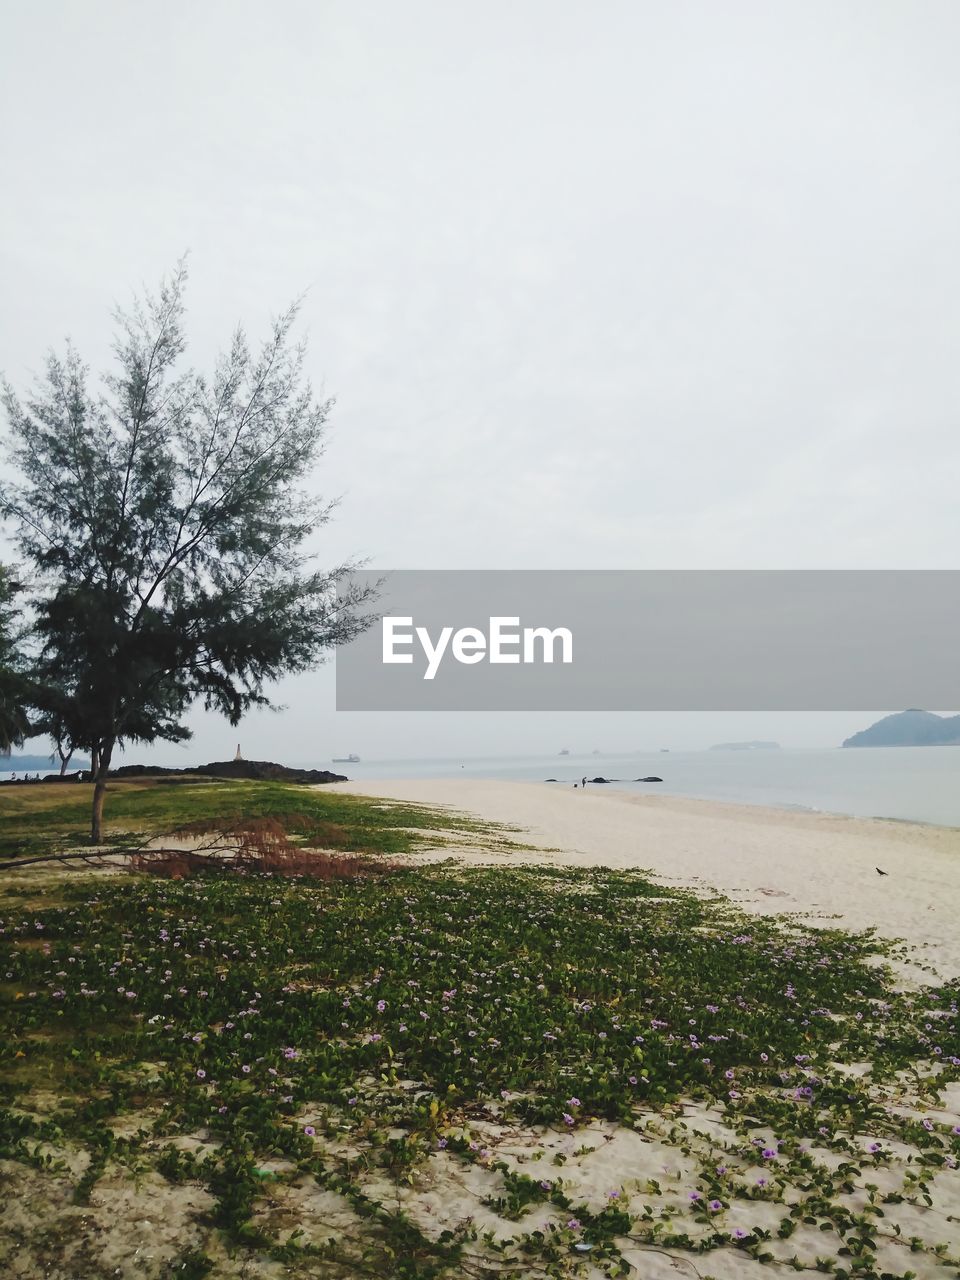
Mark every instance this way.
x=650 y=779
x=256 y=770
x=599 y=780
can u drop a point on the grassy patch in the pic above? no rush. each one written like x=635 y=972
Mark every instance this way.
x=38 y=818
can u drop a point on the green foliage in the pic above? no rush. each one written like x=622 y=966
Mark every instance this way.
x=14 y=689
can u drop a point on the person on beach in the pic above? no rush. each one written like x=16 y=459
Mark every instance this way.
x=583 y=783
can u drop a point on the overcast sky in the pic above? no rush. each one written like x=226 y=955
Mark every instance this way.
x=612 y=285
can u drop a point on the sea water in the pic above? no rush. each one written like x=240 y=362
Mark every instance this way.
x=917 y=784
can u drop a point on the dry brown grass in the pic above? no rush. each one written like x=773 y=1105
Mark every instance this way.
x=259 y=846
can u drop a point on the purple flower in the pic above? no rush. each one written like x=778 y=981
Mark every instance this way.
x=201 y=1074
x=715 y=1206
x=928 y=1124
x=309 y=1130
x=567 y=1118
x=769 y=1153
x=574 y=1224
x=739 y=1234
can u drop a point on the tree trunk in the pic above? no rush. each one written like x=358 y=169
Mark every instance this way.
x=102 y=758
x=94 y=761
x=64 y=761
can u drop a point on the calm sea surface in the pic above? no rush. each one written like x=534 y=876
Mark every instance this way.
x=920 y=784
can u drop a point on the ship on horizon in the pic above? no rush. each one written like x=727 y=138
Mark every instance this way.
x=350 y=759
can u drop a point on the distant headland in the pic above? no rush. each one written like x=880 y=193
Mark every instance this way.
x=42 y=764
x=911 y=728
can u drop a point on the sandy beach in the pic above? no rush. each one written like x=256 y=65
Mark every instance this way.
x=774 y=861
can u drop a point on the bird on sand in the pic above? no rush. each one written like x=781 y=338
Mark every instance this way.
x=881 y=873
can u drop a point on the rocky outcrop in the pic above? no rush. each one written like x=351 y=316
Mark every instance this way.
x=256 y=770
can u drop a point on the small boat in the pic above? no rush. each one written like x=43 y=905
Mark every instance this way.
x=565 y=751
x=350 y=759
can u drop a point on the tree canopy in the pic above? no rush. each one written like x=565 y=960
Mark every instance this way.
x=165 y=522
x=14 y=723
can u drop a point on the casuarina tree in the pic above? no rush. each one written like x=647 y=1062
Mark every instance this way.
x=14 y=690
x=164 y=518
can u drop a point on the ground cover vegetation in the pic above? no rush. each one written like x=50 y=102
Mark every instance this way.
x=453 y=1070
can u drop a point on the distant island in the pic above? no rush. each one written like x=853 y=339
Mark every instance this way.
x=911 y=728
x=746 y=746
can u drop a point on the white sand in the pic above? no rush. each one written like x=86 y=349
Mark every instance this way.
x=766 y=860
